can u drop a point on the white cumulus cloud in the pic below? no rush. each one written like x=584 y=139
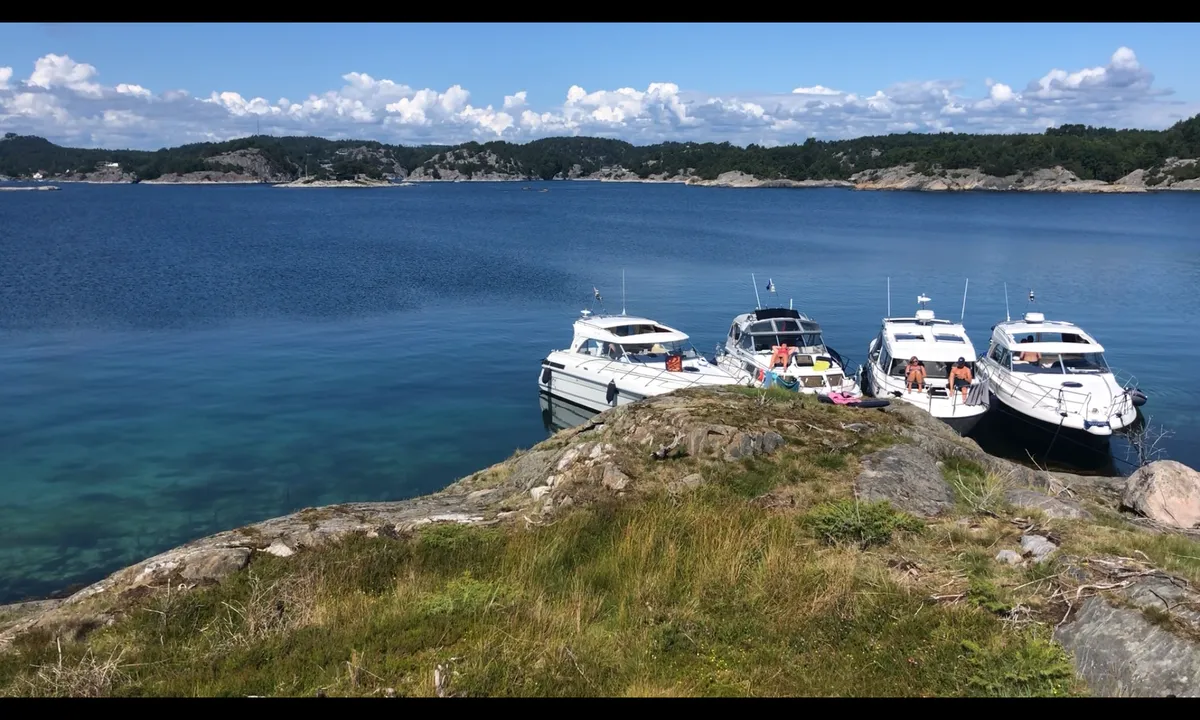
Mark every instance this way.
x=64 y=100
x=59 y=71
x=135 y=90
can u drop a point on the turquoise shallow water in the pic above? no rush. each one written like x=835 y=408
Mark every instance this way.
x=180 y=360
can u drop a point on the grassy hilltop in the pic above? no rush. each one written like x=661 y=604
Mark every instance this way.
x=720 y=542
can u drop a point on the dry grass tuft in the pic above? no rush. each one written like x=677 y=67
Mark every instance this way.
x=87 y=676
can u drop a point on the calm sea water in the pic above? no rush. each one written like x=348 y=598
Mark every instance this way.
x=179 y=360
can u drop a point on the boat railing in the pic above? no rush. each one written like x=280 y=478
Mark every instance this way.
x=1127 y=381
x=1063 y=401
x=841 y=361
x=622 y=370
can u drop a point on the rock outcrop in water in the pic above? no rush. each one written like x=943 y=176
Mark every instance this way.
x=1115 y=594
x=1056 y=179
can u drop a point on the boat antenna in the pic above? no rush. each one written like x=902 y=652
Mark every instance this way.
x=1007 y=315
x=889 y=311
x=596 y=298
x=922 y=299
x=622 y=291
x=1031 y=297
x=964 y=307
x=757 y=299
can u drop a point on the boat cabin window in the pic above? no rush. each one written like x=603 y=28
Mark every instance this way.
x=627 y=330
x=1001 y=356
x=595 y=348
x=735 y=332
x=1048 y=337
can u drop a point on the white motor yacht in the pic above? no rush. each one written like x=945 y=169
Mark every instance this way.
x=1054 y=374
x=937 y=344
x=783 y=347
x=619 y=359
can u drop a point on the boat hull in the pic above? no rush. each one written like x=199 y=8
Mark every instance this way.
x=591 y=393
x=599 y=385
x=963 y=425
x=1039 y=431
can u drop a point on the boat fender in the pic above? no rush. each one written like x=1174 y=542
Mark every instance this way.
x=611 y=395
x=546 y=377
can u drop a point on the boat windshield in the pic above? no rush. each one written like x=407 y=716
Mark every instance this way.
x=657 y=351
x=1064 y=364
x=639 y=352
x=766 y=334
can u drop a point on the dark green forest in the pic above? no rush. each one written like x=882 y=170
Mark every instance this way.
x=1092 y=153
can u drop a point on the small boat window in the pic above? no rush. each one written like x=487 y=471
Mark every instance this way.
x=949 y=338
x=590 y=347
x=627 y=330
x=596 y=348
x=908 y=336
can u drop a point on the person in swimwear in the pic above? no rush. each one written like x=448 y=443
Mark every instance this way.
x=1030 y=357
x=914 y=374
x=960 y=377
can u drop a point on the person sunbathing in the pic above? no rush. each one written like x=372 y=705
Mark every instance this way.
x=914 y=374
x=1030 y=357
x=960 y=378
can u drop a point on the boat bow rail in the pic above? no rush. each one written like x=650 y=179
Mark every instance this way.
x=1065 y=401
x=677 y=380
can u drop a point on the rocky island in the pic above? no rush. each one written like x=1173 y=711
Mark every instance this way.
x=359 y=182
x=1071 y=158
x=706 y=542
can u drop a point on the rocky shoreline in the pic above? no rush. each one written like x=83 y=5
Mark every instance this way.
x=903 y=178
x=358 y=183
x=1119 y=648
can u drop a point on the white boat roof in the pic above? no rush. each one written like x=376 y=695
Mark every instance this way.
x=1011 y=332
x=927 y=338
x=765 y=316
x=603 y=327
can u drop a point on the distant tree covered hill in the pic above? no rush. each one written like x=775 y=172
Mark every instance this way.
x=1091 y=153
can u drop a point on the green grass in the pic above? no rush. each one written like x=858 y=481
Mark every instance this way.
x=859 y=523
x=977 y=491
x=708 y=597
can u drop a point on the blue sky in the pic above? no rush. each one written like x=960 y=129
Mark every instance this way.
x=750 y=69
